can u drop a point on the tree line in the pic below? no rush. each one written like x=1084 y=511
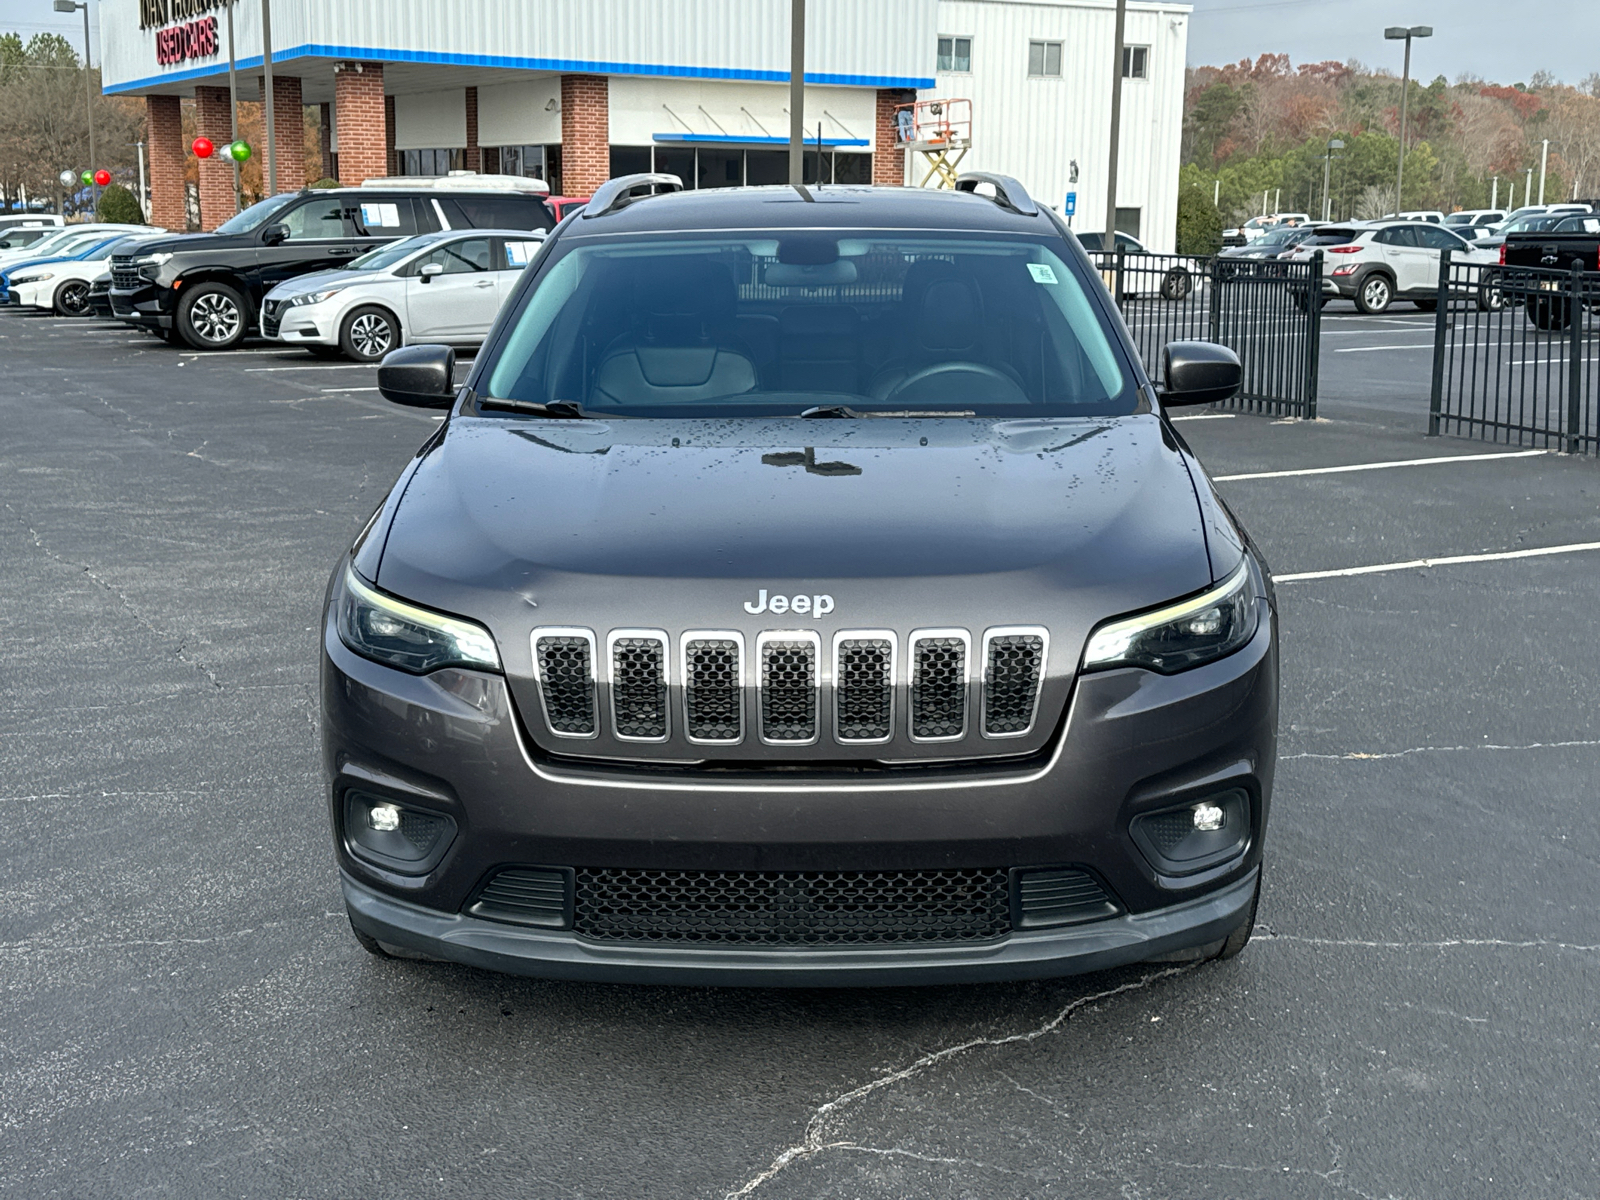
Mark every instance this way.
x=1261 y=129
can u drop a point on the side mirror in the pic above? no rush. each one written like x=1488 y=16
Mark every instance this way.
x=428 y=270
x=419 y=376
x=275 y=233
x=1199 y=373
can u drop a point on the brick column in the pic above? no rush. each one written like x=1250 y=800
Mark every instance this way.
x=888 y=159
x=164 y=116
x=585 y=133
x=359 y=112
x=474 y=159
x=216 y=173
x=289 y=132
x=391 y=160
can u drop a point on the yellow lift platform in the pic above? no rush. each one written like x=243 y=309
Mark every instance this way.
x=940 y=132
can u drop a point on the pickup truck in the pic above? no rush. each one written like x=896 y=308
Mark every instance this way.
x=1530 y=260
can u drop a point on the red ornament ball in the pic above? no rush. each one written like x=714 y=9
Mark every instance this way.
x=202 y=147
x=102 y=177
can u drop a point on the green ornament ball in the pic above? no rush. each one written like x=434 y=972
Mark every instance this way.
x=87 y=178
x=239 y=151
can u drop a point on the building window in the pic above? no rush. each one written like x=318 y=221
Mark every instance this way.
x=1136 y=62
x=955 y=54
x=1044 y=58
x=430 y=162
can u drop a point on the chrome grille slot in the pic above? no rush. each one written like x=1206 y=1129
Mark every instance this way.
x=713 y=687
x=124 y=274
x=563 y=664
x=788 y=687
x=638 y=661
x=863 y=686
x=1013 y=668
x=939 y=684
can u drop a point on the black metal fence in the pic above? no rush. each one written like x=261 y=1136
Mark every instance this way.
x=1516 y=356
x=1267 y=311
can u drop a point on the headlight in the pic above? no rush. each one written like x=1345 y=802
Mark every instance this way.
x=402 y=635
x=42 y=275
x=313 y=297
x=152 y=260
x=1181 y=635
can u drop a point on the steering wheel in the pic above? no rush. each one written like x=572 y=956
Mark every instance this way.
x=928 y=380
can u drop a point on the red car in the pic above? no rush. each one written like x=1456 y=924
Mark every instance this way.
x=562 y=205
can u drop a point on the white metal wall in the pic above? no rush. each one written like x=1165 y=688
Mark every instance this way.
x=861 y=42
x=1033 y=128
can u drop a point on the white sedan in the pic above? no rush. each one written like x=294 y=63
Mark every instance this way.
x=436 y=287
x=63 y=287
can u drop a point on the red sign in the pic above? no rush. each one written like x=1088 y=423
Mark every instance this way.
x=195 y=39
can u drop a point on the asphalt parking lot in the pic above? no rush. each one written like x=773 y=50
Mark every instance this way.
x=186 y=1014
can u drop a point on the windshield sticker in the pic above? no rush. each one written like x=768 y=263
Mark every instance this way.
x=380 y=216
x=1041 y=273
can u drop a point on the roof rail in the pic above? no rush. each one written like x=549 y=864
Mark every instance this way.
x=1008 y=193
x=618 y=193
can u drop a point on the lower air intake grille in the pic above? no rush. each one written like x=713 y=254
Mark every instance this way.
x=863 y=689
x=527 y=896
x=1060 y=898
x=781 y=908
x=938 y=687
x=788 y=690
x=712 y=693
x=1011 y=682
x=639 y=687
x=566 y=678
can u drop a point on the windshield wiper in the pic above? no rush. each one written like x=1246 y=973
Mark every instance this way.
x=559 y=409
x=844 y=410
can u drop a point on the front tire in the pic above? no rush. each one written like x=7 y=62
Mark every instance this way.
x=72 y=299
x=1240 y=937
x=1176 y=285
x=369 y=333
x=1428 y=305
x=211 y=316
x=1375 y=295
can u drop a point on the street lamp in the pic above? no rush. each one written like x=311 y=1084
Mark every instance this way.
x=67 y=6
x=1327 y=162
x=1396 y=33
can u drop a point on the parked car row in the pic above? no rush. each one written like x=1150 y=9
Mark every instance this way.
x=354 y=270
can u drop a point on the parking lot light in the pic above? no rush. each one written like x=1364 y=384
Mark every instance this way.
x=1397 y=33
x=1208 y=817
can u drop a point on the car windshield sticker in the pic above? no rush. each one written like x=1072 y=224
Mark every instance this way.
x=380 y=216
x=1041 y=273
x=518 y=253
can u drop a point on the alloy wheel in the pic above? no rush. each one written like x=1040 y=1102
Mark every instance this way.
x=1376 y=293
x=215 y=317
x=371 y=335
x=73 y=299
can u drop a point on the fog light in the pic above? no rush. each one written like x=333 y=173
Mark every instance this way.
x=1208 y=817
x=1197 y=835
x=386 y=818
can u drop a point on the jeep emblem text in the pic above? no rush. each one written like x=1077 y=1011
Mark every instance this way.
x=816 y=606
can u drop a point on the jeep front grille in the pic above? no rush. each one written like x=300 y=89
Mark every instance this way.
x=939 y=684
x=863 y=687
x=713 y=687
x=788 y=687
x=639 y=684
x=1013 y=663
x=563 y=661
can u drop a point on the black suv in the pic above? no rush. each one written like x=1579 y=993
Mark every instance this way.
x=206 y=288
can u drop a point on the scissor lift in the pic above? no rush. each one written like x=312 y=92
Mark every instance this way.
x=940 y=132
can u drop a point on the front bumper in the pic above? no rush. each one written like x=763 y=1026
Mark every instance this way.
x=31 y=295
x=142 y=306
x=301 y=324
x=1131 y=743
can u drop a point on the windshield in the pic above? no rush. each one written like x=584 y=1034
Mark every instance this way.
x=256 y=215
x=387 y=256
x=772 y=324
x=1537 y=224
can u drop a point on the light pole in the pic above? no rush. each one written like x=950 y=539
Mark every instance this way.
x=1544 y=161
x=1397 y=33
x=1110 y=240
x=797 y=92
x=1327 y=164
x=266 y=89
x=67 y=6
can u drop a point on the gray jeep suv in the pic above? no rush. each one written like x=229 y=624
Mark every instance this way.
x=806 y=587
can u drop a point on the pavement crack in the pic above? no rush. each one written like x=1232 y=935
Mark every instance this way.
x=816 y=1139
x=1360 y=756
x=1267 y=935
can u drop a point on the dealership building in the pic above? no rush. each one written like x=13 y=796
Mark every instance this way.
x=575 y=91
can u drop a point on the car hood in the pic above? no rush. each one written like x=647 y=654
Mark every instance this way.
x=180 y=243
x=316 y=281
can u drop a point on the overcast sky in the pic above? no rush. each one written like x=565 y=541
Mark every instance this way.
x=1505 y=41
x=1502 y=40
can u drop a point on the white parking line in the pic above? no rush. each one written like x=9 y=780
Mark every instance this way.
x=370 y=389
x=1205 y=417
x=1365 y=349
x=1418 y=563
x=332 y=367
x=1380 y=466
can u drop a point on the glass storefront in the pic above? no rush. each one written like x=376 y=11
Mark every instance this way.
x=731 y=166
